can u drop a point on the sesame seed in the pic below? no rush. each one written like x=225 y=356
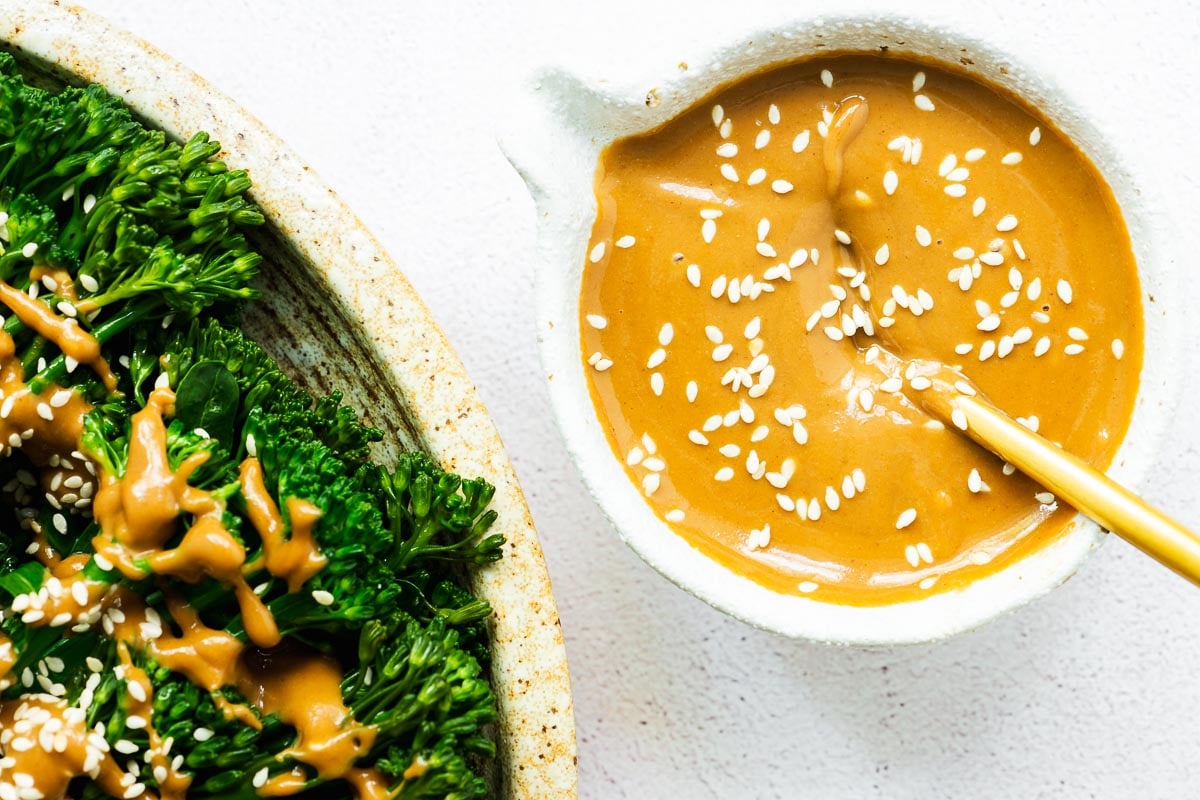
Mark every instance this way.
x=726 y=128
x=1035 y=136
x=656 y=358
x=974 y=154
x=1007 y=223
x=924 y=238
x=29 y=250
x=693 y=275
x=891 y=181
x=958 y=174
x=1011 y=159
x=597 y=321
x=625 y=242
x=1118 y=349
x=657 y=383
x=800 y=143
x=959 y=418
x=1078 y=334
x=975 y=482
x=907 y=517
x=923 y=102
x=724 y=474
x=955 y=190
x=781 y=186
x=813 y=509
x=827 y=78
x=882 y=255
x=603 y=365
x=597 y=253
x=260 y=778
x=650 y=483
x=979 y=206
x=718 y=115
x=808 y=587
x=964 y=253
x=727 y=150
x=322 y=597
x=722 y=352
x=1073 y=349
x=762 y=139
x=927 y=583
x=756 y=177
x=918 y=81
x=989 y=323
x=1045 y=498
x=1065 y=292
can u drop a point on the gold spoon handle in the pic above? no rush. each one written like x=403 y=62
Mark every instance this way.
x=1089 y=491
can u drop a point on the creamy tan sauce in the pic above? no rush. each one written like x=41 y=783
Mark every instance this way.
x=296 y=559
x=139 y=512
x=747 y=255
x=64 y=332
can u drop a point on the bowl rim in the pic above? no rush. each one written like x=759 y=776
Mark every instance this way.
x=555 y=130
x=537 y=746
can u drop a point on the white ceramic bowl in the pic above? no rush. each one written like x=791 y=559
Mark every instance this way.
x=560 y=125
x=339 y=314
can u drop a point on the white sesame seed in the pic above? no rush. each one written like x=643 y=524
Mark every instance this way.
x=29 y=250
x=1118 y=349
x=800 y=143
x=781 y=186
x=959 y=418
x=762 y=139
x=958 y=174
x=322 y=597
x=799 y=433
x=882 y=255
x=974 y=482
x=1035 y=136
x=918 y=81
x=964 y=253
x=979 y=206
x=597 y=253
x=726 y=128
x=974 y=154
x=729 y=172
x=650 y=483
x=924 y=238
x=724 y=474
x=989 y=323
x=923 y=102
x=1065 y=293
x=656 y=358
x=656 y=383
x=1078 y=334
x=1073 y=349
x=693 y=275
x=756 y=177
x=718 y=115
x=955 y=190
x=827 y=78
x=625 y=242
x=727 y=150
x=1045 y=498
x=604 y=365
x=907 y=517
x=860 y=479
x=1007 y=223
x=722 y=352
x=807 y=587
x=1011 y=159
x=891 y=181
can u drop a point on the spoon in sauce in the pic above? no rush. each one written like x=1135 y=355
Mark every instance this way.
x=948 y=396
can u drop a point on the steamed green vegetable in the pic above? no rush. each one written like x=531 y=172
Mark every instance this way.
x=151 y=236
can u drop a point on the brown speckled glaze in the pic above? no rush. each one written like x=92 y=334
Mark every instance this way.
x=340 y=314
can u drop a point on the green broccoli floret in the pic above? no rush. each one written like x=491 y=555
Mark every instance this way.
x=141 y=240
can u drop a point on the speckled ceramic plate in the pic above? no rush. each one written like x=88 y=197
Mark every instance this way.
x=569 y=112
x=338 y=313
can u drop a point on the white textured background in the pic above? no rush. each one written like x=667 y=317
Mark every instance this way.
x=1092 y=692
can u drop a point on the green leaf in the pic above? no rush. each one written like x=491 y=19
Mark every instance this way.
x=207 y=398
x=25 y=579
